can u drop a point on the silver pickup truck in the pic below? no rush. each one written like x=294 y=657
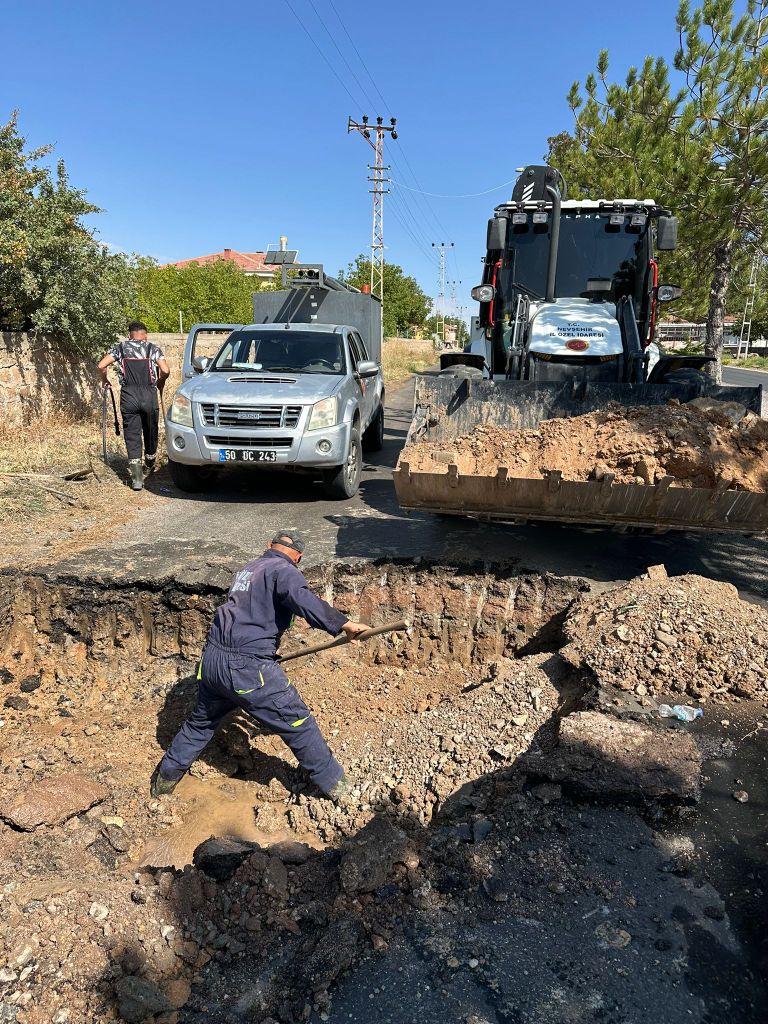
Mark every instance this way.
x=292 y=395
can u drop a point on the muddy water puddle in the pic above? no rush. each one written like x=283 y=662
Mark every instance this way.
x=212 y=811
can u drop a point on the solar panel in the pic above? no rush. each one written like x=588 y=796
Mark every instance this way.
x=279 y=257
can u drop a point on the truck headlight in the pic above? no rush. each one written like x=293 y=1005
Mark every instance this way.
x=323 y=414
x=181 y=411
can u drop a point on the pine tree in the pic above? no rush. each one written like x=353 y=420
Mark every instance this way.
x=702 y=149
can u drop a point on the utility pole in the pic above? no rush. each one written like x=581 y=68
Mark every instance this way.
x=378 y=180
x=441 y=247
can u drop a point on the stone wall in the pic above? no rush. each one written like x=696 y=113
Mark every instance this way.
x=39 y=375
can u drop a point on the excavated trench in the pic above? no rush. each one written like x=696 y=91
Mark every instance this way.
x=98 y=892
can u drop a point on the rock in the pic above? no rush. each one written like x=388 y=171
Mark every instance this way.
x=220 y=858
x=138 y=998
x=333 y=953
x=275 y=879
x=473 y=962
x=51 y=801
x=547 y=792
x=291 y=852
x=117 y=838
x=741 y=795
x=98 y=912
x=373 y=853
x=17 y=702
x=616 y=938
x=30 y=684
x=481 y=828
x=177 y=992
x=601 y=755
x=7 y=976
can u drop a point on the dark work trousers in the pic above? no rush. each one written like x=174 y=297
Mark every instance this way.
x=140 y=415
x=229 y=680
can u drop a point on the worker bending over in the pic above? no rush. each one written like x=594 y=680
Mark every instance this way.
x=142 y=370
x=239 y=668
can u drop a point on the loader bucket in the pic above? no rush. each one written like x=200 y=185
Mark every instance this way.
x=446 y=407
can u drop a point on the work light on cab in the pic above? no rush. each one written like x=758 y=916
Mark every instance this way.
x=483 y=293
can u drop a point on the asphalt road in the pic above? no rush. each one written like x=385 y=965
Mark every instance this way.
x=745 y=378
x=238 y=518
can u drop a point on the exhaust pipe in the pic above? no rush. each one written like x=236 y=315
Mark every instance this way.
x=554 y=242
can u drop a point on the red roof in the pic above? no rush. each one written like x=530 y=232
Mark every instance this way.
x=250 y=262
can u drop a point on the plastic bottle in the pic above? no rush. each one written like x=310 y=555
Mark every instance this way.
x=683 y=712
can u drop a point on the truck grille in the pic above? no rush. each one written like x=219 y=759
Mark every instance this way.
x=239 y=441
x=268 y=417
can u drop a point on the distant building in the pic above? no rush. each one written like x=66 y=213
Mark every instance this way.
x=251 y=263
x=674 y=332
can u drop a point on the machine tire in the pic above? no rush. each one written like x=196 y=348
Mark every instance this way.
x=687 y=376
x=462 y=372
x=343 y=481
x=192 y=479
x=373 y=438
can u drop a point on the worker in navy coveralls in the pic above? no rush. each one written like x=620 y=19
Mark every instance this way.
x=239 y=668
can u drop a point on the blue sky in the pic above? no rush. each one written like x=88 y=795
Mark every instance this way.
x=200 y=126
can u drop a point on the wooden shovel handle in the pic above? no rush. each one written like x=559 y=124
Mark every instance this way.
x=339 y=641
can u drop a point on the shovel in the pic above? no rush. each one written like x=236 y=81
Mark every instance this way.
x=104 y=390
x=339 y=641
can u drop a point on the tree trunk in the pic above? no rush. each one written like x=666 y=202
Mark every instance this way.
x=713 y=337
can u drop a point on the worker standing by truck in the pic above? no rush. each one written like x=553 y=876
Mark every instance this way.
x=142 y=370
x=240 y=668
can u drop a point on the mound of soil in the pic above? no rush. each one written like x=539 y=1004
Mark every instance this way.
x=676 y=637
x=697 y=444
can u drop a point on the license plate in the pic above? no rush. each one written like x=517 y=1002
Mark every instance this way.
x=246 y=455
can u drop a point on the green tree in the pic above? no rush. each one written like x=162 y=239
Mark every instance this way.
x=217 y=292
x=405 y=304
x=54 y=275
x=701 y=149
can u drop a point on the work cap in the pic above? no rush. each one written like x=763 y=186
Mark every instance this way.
x=289 y=539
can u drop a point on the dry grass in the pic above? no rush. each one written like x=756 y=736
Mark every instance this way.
x=749 y=363
x=50 y=444
x=400 y=359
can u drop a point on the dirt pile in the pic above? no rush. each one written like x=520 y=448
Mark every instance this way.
x=697 y=444
x=684 y=636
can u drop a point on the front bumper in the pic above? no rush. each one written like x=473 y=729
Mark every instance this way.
x=198 y=446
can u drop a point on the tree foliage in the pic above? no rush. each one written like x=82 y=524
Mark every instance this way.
x=699 y=148
x=405 y=304
x=54 y=275
x=217 y=292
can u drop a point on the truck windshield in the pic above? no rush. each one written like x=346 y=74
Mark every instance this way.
x=282 y=351
x=590 y=247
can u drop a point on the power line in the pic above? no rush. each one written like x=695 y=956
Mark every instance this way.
x=468 y=195
x=341 y=54
x=322 y=54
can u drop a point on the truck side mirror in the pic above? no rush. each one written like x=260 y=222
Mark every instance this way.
x=666 y=234
x=201 y=363
x=367 y=368
x=497 y=233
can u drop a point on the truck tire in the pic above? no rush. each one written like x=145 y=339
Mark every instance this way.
x=462 y=371
x=192 y=479
x=688 y=376
x=344 y=481
x=373 y=438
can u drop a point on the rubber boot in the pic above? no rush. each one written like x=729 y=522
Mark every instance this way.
x=341 y=793
x=149 y=464
x=137 y=475
x=160 y=786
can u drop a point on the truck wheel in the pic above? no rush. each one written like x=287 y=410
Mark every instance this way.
x=192 y=479
x=687 y=376
x=343 y=481
x=373 y=438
